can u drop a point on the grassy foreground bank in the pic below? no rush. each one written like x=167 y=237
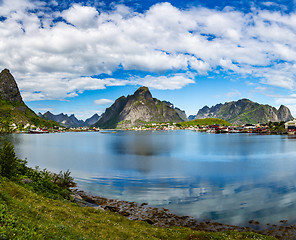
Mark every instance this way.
x=36 y=204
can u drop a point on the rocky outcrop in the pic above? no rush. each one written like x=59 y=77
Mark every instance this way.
x=284 y=114
x=137 y=109
x=245 y=111
x=12 y=107
x=180 y=112
x=9 y=90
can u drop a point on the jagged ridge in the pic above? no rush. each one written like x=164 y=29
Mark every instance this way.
x=70 y=121
x=245 y=111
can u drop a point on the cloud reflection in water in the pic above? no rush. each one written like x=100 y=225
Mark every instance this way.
x=229 y=178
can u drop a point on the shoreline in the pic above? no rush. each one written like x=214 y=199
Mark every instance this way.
x=161 y=217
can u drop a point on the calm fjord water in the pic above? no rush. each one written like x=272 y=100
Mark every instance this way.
x=231 y=178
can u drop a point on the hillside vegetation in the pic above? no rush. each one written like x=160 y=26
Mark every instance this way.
x=205 y=122
x=20 y=114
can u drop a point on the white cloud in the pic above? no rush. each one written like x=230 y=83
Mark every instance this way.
x=280 y=99
x=43 y=109
x=81 y=16
x=233 y=93
x=10 y=6
x=281 y=75
x=262 y=89
x=51 y=57
x=163 y=82
x=103 y=101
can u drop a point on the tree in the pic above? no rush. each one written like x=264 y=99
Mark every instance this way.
x=8 y=161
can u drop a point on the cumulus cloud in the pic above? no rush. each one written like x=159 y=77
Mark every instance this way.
x=81 y=16
x=10 y=6
x=163 y=82
x=103 y=101
x=54 y=55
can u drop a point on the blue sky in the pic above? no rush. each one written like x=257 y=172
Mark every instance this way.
x=79 y=56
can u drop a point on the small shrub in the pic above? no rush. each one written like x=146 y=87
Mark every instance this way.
x=63 y=179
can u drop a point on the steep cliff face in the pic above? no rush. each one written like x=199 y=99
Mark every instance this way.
x=284 y=113
x=12 y=107
x=180 y=112
x=8 y=88
x=245 y=111
x=110 y=118
x=137 y=109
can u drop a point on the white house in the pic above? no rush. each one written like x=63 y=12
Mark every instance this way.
x=291 y=125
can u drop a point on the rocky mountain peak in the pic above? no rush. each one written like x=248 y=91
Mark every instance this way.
x=143 y=92
x=12 y=106
x=284 y=113
x=9 y=90
x=137 y=109
x=244 y=100
x=245 y=111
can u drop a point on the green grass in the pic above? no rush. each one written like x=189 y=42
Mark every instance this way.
x=27 y=215
x=205 y=122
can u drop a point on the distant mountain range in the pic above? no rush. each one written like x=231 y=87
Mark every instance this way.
x=70 y=121
x=134 y=110
x=12 y=107
x=244 y=111
x=137 y=109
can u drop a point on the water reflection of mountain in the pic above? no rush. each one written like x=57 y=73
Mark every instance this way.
x=140 y=144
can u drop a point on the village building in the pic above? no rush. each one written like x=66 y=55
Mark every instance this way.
x=291 y=125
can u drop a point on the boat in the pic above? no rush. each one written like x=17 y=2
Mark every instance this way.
x=38 y=131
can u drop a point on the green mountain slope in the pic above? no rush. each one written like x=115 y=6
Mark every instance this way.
x=12 y=107
x=205 y=122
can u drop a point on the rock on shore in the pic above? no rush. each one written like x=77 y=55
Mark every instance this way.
x=161 y=217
